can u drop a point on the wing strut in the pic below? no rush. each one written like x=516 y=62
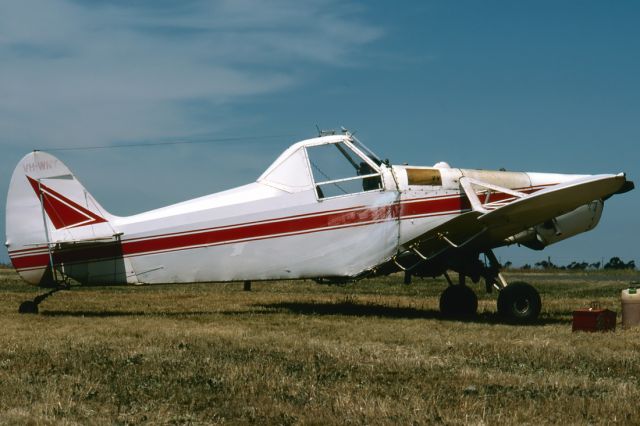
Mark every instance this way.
x=467 y=185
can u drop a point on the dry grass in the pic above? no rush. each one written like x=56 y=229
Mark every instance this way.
x=373 y=352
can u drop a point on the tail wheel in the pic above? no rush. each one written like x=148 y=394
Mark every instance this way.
x=519 y=302
x=458 y=301
x=28 y=307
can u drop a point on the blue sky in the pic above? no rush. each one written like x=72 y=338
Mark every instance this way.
x=528 y=85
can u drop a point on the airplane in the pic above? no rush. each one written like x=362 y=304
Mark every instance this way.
x=327 y=209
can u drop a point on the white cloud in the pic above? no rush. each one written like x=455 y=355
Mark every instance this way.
x=87 y=73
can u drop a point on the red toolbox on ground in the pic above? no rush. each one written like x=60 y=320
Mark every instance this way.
x=594 y=319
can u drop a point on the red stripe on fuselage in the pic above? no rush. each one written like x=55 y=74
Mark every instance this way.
x=30 y=262
x=261 y=230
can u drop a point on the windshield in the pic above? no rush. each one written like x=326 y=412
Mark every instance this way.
x=333 y=162
x=366 y=151
x=339 y=170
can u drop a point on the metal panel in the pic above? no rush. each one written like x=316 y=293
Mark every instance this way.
x=424 y=177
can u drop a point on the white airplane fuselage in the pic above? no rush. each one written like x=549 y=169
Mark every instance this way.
x=283 y=226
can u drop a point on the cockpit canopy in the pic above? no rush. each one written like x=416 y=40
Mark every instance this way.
x=333 y=166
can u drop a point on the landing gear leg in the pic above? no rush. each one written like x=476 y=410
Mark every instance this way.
x=31 y=306
x=458 y=301
x=518 y=302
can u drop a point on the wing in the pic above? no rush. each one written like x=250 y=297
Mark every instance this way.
x=455 y=233
x=484 y=229
x=550 y=203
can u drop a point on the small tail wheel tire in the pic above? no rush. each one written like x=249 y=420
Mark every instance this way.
x=458 y=301
x=519 y=302
x=28 y=307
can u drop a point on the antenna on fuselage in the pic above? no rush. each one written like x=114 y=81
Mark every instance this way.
x=324 y=132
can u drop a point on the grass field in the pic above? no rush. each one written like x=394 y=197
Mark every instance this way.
x=372 y=352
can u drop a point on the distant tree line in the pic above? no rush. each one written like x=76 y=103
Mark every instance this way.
x=613 y=263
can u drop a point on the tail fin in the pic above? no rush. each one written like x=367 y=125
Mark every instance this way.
x=47 y=205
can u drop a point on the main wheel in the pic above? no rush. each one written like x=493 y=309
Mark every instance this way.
x=28 y=307
x=519 y=302
x=458 y=301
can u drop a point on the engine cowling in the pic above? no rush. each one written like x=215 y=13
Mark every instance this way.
x=580 y=220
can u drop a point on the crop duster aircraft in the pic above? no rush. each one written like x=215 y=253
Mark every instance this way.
x=326 y=209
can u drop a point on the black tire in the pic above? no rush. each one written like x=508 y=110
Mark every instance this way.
x=519 y=302
x=458 y=301
x=28 y=307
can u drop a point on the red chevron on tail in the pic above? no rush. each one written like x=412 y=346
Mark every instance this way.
x=63 y=212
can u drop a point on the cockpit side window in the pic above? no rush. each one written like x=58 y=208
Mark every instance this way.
x=337 y=170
